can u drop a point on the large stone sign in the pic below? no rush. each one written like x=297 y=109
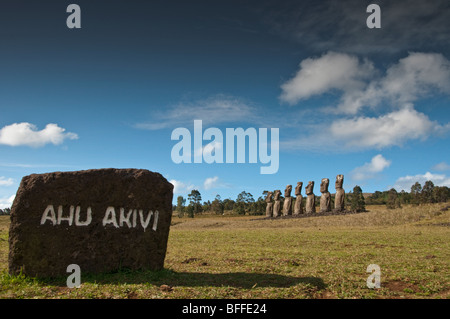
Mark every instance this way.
x=101 y=220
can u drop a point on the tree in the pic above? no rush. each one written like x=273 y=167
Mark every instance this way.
x=416 y=192
x=441 y=193
x=195 y=206
x=180 y=206
x=206 y=207
x=393 y=201
x=358 y=203
x=228 y=204
x=244 y=203
x=427 y=192
x=217 y=205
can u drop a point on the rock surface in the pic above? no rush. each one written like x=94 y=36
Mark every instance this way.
x=101 y=220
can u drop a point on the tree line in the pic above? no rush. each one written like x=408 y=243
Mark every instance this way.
x=5 y=211
x=418 y=195
x=246 y=204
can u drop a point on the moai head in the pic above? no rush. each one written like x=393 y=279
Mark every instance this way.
x=277 y=195
x=269 y=197
x=298 y=188
x=339 y=181
x=309 y=189
x=287 y=191
x=324 y=185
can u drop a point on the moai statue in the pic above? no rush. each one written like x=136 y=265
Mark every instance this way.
x=269 y=207
x=325 y=199
x=339 y=199
x=277 y=203
x=310 y=198
x=287 y=206
x=298 y=206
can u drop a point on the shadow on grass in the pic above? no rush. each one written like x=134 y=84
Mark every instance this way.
x=193 y=279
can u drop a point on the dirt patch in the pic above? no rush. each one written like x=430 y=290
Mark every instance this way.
x=401 y=286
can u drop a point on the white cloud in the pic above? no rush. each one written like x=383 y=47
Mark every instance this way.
x=6 y=182
x=394 y=128
x=328 y=72
x=27 y=134
x=369 y=170
x=413 y=77
x=181 y=187
x=211 y=182
x=405 y=182
x=215 y=110
x=361 y=132
x=6 y=202
x=442 y=166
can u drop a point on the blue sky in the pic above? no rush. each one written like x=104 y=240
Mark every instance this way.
x=372 y=104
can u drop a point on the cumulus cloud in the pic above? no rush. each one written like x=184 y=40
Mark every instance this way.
x=330 y=71
x=211 y=182
x=394 y=128
x=413 y=77
x=215 y=110
x=7 y=202
x=181 y=187
x=405 y=182
x=6 y=181
x=394 y=92
x=27 y=134
x=363 y=132
x=442 y=166
x=369 y=170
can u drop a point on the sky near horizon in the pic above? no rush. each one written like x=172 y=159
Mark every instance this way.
x=372 y=104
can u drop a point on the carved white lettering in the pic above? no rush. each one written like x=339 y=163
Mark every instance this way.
x=49 y=210
x=110 y=217
x=61 y=218
x=126 y=217
x=77 y=216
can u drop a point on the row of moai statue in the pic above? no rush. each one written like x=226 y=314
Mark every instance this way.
x=273 y=209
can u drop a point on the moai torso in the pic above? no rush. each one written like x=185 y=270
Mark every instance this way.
x=310 y=198
x=325 y=199
x=339 y=200
x=269 y=206
x=287 y=201
x=298 y=206
x=277 y=204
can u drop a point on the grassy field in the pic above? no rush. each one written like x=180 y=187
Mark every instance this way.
x=240 y=257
